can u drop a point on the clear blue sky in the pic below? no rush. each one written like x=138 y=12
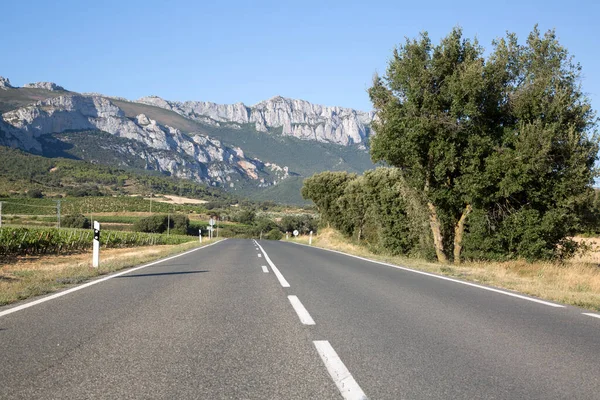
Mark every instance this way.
x=229 y=51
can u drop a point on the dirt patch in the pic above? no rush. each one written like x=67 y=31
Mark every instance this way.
x=58 y=262
x=177 y=200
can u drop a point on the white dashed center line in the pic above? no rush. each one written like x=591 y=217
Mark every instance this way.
x=265 y=269
x=304 y=316
x=342 y=378
x=278 y=274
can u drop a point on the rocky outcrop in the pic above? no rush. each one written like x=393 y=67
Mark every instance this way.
x=297 y=118
x=44 y=85
x=5 y=83
x=95 y=94
x=165 y=148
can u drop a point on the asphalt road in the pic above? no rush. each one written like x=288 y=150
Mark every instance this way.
x=211 y=324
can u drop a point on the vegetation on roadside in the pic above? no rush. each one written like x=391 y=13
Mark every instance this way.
x=491 y=158
x=35 y=241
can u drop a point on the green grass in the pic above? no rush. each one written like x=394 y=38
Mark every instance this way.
x=21 y=171
x=117 y=219
x=19 y=241
x=91 y=205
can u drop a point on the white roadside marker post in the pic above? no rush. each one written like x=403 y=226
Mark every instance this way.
x=200 y=235
x=310 y=238
x=96 y=256
x=286 y=235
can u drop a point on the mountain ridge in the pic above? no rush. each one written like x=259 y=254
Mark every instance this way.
x=219 y=148
x=298 y=118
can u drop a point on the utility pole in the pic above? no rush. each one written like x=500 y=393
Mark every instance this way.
x=0 y=214
x=217 y=227
x=58 y=212
x=168 y=222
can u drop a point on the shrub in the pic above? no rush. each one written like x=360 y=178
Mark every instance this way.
x=273 y=234
x=75 y=221
x=303 y=223
x=179 y=224
x=152 y=224
x=35 y=193
x=244 y=217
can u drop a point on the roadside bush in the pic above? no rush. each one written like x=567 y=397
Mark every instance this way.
x=273 y=234
x=179 y=224
x=265 y=225
x=244 y=217
x=303 y=223
x=152 y=224
x=75 y=221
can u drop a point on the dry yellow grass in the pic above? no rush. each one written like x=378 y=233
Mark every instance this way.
x=34 y=276
x=575 y=282
x=177 y=200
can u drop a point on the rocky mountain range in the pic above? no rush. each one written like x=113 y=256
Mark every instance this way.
x=297 y=118
x=183 y=139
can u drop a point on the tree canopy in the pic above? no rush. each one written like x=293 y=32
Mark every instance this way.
x=511 y=136
x=495 y=153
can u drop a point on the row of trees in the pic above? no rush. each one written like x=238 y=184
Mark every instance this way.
x=495 y=154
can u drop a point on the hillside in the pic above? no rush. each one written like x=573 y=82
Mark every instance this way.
x=243 y=158
x=21 y=172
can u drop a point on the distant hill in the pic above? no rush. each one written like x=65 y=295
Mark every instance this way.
x=21 y=171
x=264 y=160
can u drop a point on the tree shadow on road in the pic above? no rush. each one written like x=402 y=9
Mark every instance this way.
x=161 y=273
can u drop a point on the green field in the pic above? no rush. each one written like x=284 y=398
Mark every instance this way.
x=36 y=241
x=91 y=205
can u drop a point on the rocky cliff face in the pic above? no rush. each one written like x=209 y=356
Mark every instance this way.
x=297 y=118
x=44 y=85
x=193 y=155
x=4 y=83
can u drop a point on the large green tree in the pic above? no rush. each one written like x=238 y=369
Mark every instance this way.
x=503 y=136
x=325 y=189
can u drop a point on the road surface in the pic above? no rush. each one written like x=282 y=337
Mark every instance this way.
x=271 y=320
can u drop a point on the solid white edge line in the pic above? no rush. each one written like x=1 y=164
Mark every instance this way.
x=278 y=274
x=547 y=303
x=85 y=285
x=303 y=314
x=265 y=269
x=592 y=315
x=342 y=378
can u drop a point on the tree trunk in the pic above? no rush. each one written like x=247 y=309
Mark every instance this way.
x=438 y=241
x=459 y=231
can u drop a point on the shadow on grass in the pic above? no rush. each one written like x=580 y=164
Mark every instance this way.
x=161 y=273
